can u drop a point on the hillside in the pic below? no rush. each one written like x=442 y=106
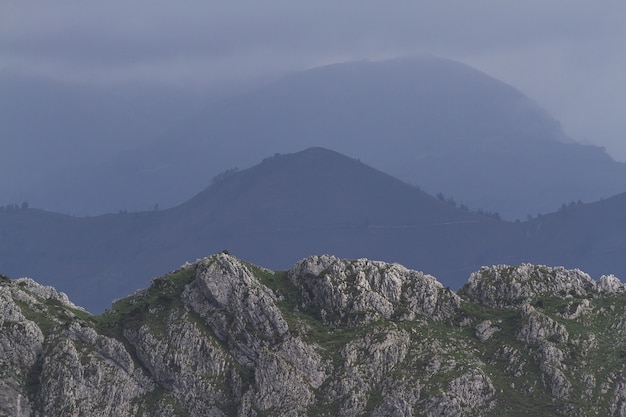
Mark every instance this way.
x=275 y=213
x=429 y=121
x=328 y=337
x=588 y=236
x=289 y=207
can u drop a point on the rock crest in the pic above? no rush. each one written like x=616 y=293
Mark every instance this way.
x=222 y=337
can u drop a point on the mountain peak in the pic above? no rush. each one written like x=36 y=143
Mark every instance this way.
x=429 y=121
x=323 y=187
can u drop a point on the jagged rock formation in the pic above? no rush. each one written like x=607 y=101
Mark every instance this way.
x=332 y=337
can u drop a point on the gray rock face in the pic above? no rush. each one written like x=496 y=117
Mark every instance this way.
x=506 y=286
x=85 y=369
x=329 y=337
x=364 y=290
x=610 y=284
x=485 y=330
x=21 y=344
x=232 y=301
x=545 y=335
x=57 y=363
x=466 y=394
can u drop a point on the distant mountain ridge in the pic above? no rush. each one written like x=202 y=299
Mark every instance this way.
x=291 y=206
x=277 y=212
x=429 y=121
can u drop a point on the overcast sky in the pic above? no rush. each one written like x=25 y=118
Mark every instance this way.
x=568 y=55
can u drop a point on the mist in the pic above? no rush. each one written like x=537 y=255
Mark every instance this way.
x=80 y=82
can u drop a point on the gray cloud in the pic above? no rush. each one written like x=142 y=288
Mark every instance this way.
x=568 y=55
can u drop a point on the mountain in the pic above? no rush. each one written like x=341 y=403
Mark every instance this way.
x=275 y=213
x=291 y=206
x=429 y=121
x=328 y=337
x=588 y=236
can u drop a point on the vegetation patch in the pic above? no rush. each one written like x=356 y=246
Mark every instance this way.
x=139 y=309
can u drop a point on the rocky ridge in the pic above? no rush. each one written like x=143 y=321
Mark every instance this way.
x=222 y=337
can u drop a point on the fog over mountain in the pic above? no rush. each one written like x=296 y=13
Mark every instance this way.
x=52 y=130
x=435 y=123
x=566 y=54
x=108 y=76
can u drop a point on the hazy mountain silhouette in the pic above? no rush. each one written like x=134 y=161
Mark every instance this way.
x=275 y=213
x=586 y=236
x=54 y=130
x=432 y=122
x=292 y=206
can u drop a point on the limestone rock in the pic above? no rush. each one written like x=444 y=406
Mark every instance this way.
x=486 y=329
x=507 y=286
x=611 y=284
x=362 y=290
x=466 y=394
x=329 y=337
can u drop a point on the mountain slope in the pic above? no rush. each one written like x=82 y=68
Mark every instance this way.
x=429 y=121
x=318 y=201
x=588 y=236
x=328 y=337
x=289 y=207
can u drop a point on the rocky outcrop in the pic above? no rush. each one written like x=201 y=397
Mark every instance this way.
x=486 y=329
x=544 y=335
x=21 y=345
x=361 y=291
x=507 y=286
x=465 y=395
x=56 y=364
x=75 y=367
x=610 y=284
x=221 y=337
